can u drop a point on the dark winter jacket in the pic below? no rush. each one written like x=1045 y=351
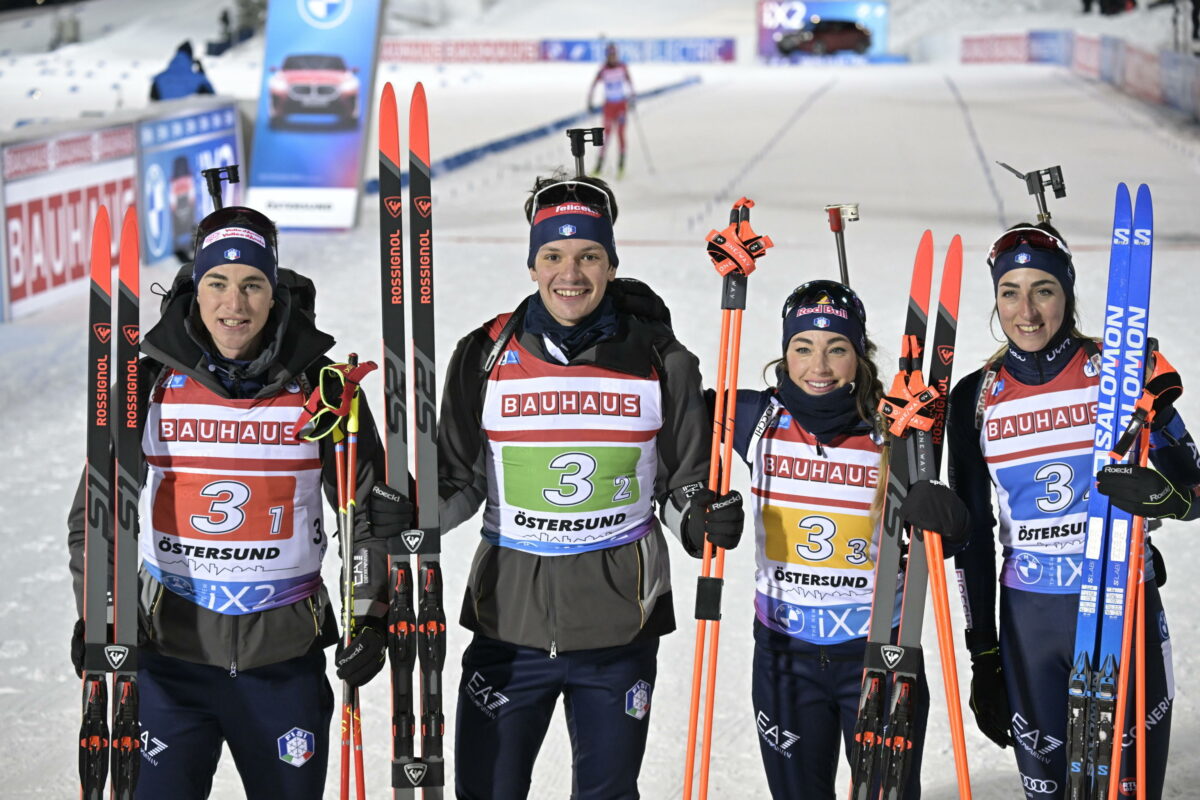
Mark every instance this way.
x=601 y=598
x=174 y=626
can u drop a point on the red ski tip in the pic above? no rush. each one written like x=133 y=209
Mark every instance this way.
x=389 y=127
x=418 y=125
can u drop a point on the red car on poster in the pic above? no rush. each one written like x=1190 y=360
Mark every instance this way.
x=312 y=83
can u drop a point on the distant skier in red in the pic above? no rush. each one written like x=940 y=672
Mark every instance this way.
x=618 y=98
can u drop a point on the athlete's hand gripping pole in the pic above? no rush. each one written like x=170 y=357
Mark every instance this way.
x=733 y=251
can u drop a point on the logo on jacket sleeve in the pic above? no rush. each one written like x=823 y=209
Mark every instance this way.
x=637 y=700
x=510 y=357
x=296 y=747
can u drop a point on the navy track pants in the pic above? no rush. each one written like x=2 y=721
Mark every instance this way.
x=508 y=695
x=1037 y=640
x=275 y=720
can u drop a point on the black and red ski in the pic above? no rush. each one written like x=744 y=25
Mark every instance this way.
x=915 y=412
x=416 y=633
x=110 y=596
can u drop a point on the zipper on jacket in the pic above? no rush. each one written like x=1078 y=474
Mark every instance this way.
x=823 y=657
x=641 y=586
x=550 y=609
x=312 y=608
x=233 y=649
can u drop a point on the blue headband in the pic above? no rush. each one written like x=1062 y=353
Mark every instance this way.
x=1055 y=262
x=235 y=245
x=571 y=221
x=825 y=317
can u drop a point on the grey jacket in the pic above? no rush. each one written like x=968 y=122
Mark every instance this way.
x=174 y=626
x=601 y=598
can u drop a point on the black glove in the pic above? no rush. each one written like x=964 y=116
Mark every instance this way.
x=989 y=697
x=721 y=518
x=1142 y=491
x=933 y=506
x=637 y=299
x=77 y=648
x=390 y=512
x=362 y=659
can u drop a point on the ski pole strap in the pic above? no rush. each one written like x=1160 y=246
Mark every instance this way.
x=1162 y=389
x=738 y=245
x=332 y=400
x=908 y=404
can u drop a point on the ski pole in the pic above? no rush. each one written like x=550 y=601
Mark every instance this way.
x=734 y=251
x=351 y=490
x=945 y=635
x=637 y=121
x=1133 y=642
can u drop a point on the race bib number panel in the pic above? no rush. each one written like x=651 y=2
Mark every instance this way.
x=584 y=479
x=250 y=508
x=801 y=536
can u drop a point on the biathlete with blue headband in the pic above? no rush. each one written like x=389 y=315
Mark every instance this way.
x=1024 y=424
x=578 y=421
x=815 y=454
x=234 y=616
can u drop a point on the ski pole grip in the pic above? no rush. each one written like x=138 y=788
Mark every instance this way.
x=708 y=597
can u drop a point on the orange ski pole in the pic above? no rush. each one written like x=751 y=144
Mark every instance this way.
x=733 y=251
x=1129 y=631
x=945 y=635
x=706 y=563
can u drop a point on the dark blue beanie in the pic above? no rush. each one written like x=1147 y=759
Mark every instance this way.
x=235 y=244
x=571 y=221
x=1051 y=260
x=825 y=316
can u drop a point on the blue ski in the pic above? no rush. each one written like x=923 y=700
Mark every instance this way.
x=1092 y=728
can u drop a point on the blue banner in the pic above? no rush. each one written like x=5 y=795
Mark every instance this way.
x=1051 y=47
x=1111 y=52
x=1179 y=76
x=313 y=110
x=173 y=196
x=695 y=51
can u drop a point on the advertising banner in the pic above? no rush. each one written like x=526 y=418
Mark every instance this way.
x=173 y=196
x=313 y=111
x=694 y=50
x=1085 y=56
x=788 y=28
x=441 y=51
x=1050 y=47
x=1009 y=48
x=52 y=188
x=1141 y=76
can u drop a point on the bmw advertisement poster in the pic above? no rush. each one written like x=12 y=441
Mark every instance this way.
x=172 y=194
x=793 y=30
x=309 y=134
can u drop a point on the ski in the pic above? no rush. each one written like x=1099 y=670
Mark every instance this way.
x=417 y=633
x=1093 y=732
x=94 y=731
x=431 y=617
x=122 y=653
x=110 y=582
x=1091 y=693
x=882 y=734
x=402 y=623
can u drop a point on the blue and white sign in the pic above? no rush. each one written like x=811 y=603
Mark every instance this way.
x=793 y=29
x=690 y=50
x=313 y=110
x=172 y=195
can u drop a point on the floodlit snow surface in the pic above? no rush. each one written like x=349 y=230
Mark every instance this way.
x=913 y=145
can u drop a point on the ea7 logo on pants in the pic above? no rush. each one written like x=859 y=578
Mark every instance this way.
x=485 y=698
x=1033 y=740
x=1039 y=786
x=778 y=739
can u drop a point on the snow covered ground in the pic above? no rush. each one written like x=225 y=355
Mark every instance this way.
x=914 y=145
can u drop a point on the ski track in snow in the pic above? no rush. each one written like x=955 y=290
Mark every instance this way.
x=894 y=139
